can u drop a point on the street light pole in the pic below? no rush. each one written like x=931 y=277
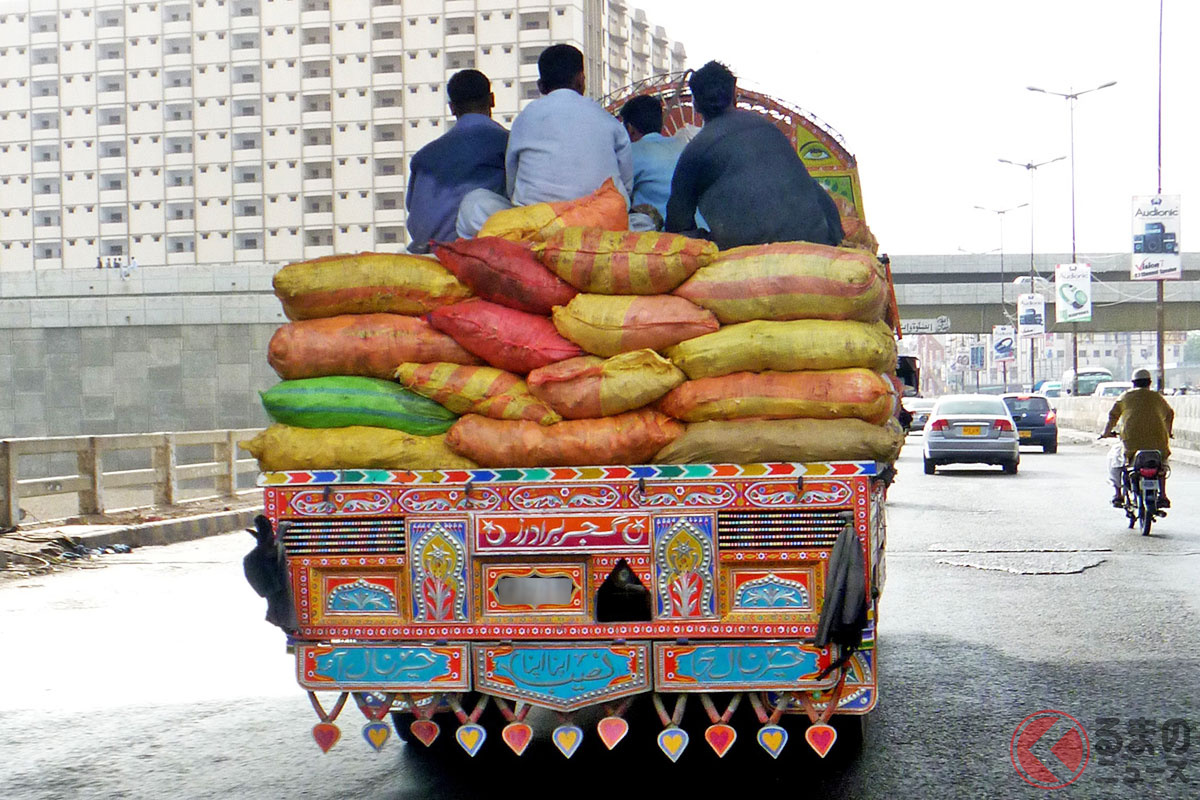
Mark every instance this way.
x=1031 y=167
x=1000 y=212
x=1071 y=97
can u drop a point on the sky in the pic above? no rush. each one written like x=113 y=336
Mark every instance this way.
x=929 y=94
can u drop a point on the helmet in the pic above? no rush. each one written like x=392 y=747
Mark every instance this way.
x=1141 y=375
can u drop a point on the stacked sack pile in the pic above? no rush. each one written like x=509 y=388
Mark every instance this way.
x=559 y=338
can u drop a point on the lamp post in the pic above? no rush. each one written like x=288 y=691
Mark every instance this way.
x=1031 y=167
x=1071 y=97
x=1000 y=212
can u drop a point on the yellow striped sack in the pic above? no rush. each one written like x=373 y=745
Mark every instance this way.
x=486 y=391
x=621 y=262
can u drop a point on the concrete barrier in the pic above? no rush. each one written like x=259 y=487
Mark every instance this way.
x=1091 y=413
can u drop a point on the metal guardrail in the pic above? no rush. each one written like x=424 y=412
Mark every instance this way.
x=90 y=480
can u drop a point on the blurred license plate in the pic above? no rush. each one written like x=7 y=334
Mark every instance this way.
x=1026 y=434
x=972 y=430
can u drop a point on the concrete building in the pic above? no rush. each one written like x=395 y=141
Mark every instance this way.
x=231 y=131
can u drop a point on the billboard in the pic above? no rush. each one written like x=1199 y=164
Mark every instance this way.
x=1004 y=344
x=1031 y=314
x=1156 y=246
x=1073 y=293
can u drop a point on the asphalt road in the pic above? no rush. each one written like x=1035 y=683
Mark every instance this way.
x=153 y=675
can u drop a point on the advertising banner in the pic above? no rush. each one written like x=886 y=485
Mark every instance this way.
x=1004 y=344
x=1073 y=293
x=1031 y=314
x=1156 y=238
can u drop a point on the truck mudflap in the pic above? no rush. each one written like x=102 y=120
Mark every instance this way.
x=438 y=596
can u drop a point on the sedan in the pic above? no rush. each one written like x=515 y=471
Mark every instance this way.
x=919 y=407
x=971 y=429
x=1036 y=421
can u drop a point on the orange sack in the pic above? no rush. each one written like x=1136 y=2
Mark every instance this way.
x=631 y=438
x=505 y=272
x=370 y=345
x=589 y=386
x=476 y=390
x=508 y=339
x=790 y=280
x=366 y=283
x=606 y=325
x=621 y=262
x=606 y=209
x=829 y=394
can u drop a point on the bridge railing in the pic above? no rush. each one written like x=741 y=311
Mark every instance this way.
x=90 y=481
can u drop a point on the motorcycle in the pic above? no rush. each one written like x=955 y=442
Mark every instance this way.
x=1141 y=487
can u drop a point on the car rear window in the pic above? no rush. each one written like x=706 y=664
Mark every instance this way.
x=1024 y=405
x=972 y=405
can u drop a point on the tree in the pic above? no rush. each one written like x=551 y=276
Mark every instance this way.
x=1191 y=350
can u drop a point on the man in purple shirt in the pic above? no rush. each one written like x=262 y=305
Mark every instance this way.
x=468 y=156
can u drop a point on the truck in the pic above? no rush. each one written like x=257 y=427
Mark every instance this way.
x=499 y=607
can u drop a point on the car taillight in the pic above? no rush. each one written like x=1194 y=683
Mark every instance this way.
x=1051 y=416
x=1003 y=425
x=939 y=425
x=1148 y=472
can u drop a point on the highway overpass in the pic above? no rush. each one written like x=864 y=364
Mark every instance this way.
x=975 y=292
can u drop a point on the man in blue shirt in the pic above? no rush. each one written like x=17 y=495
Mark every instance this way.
x=654 y=155
x=563 y=145
x=468 y=156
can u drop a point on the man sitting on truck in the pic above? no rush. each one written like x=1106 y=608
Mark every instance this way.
x=563 y=145
x=468 y=156
x=744 y=176
x=654 y=155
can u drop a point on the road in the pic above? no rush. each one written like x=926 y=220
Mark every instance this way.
x=153 y=675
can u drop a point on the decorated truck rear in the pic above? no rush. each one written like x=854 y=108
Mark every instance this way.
x=563 y=481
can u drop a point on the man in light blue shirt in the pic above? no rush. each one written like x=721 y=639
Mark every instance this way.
x=562 y=146
x=654 y=155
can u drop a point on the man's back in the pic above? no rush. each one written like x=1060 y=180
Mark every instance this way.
x=564 y=146
x=654 y=160
x=1146 y=420
x=750 y=186
x=469 y=156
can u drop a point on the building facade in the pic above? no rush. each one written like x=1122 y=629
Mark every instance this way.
x=225 y=131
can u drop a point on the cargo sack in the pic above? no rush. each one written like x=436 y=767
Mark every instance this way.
x=512 y=340
x=487 y=391
x=370 y=345
x=606 y=325
x=340 y=402
x=282 y=447
x=802 y=440
x=830 y=394
x=631 y=438
x=606 y=209
x=790 y=280
x=787 y=347
x=366 y=283
x=589 y=386
x=619 y=262
x=505 y=272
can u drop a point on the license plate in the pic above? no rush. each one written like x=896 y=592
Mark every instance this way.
x=1026 y=434
x=972 y=430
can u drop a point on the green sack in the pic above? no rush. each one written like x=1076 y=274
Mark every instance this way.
x=343 y=401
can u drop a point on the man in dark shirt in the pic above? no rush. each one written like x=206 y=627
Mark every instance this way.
x=744 y=176
x=468 y=156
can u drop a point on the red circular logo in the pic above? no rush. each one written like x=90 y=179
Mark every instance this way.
x=1049 y=749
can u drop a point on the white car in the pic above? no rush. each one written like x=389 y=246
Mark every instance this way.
x=1112 y=388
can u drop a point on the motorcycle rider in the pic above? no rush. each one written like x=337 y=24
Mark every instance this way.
x=1146 y=421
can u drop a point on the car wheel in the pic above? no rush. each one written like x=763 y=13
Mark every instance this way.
x=930 y=467
x=1050 y=448
x=1011 y=468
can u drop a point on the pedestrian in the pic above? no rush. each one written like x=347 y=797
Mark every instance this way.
x=99 y=262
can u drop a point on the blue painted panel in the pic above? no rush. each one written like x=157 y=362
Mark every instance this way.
x=735 y=666
x=382 y=666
